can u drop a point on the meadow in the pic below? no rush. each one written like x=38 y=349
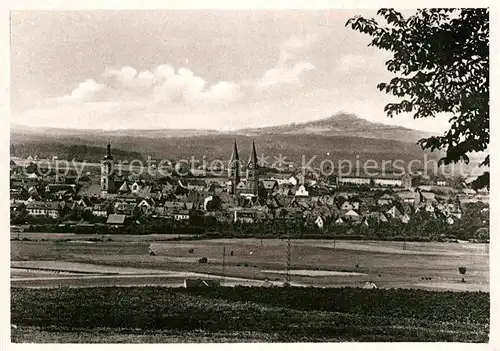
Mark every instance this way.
x=331 y=264
x=246 y=314
x=126 y=294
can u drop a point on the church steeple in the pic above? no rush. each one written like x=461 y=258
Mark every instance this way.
x=252 y=160
x=252 y=175
x=107 y=172
x=234 y=169
x=235 y=156
x=108 y=155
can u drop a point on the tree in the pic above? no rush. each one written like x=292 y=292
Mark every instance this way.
x=441 y=63
x=462 y=271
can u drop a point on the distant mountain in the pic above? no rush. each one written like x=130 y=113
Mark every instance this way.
x=344 y=124
x=18 y=130
x=342 y=136
x=341 y=124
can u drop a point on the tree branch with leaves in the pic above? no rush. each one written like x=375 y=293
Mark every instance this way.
x=441 y=65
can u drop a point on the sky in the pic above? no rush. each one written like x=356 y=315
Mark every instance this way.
x=204 y=69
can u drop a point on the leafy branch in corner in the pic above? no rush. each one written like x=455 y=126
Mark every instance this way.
x=441 y=65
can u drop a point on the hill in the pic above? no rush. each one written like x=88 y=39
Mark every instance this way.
x=339 y=137
x=341 y=124
x=344 y=124
x=67 y=151
x=293 y=147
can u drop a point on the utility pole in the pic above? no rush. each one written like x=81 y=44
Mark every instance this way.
x=288 y=260
x=224 y=263
x=404 y=241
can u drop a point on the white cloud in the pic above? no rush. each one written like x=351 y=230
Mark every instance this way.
x=127 y=79
x=284 y=75
x=162 y=85
x=85 y=91
x=290 y=64
x=126 y=73
x=222 y=91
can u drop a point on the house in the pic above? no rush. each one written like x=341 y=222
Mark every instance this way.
x=408 y=196
x=327 y=200
x=146 y=192
x=377 y=216
x=32 y=176
x=174 y=205
x=468 y=192
x=178 y=205
x=427 y=196
x=53 y=188
x=124 y=188
x=346 y=206
x=63 y=195
x=369 y=285
x=127 y=209
x=248 y=215
x=352 y=215
x=90 y=190
x=241 y=188
x=269 y=186
x=319 y=222
x=39 y=208
x=16 y=206
x=406 y=218
x=181 y=215
x=116 y=220
x=218 y=215
x=101 y=210
x=33 y=192
x=84 y=202
x=385 y=199
x=356 y=180
x=388 y=180
x=146 y=205
x=135 y=188
x=429 y=207
x=196 y=184
x=394 y=213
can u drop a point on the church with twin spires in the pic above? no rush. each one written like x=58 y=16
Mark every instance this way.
x=251 y=184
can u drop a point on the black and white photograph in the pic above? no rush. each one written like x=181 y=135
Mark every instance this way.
x=232 y=175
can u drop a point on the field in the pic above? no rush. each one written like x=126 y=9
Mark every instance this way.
x=320 y=263
x=247 y=314
x=125 y=294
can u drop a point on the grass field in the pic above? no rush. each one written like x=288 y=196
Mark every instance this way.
x=431 y=266
x=125 y=295
x=247 y=314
